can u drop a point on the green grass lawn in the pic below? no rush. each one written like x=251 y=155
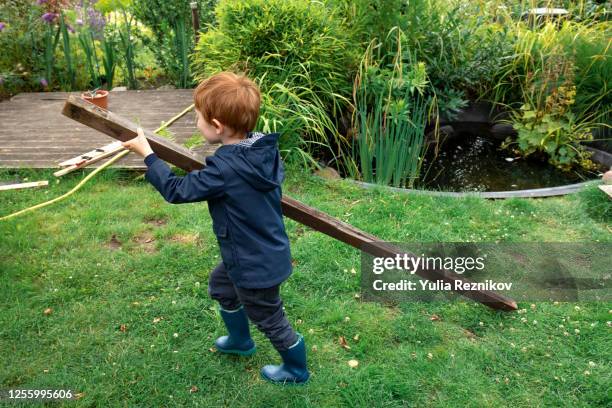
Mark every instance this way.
x=123 y=271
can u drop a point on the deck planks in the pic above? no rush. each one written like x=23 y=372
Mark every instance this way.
x=35 y=134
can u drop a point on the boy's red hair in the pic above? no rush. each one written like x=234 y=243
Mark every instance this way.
x=233 y=100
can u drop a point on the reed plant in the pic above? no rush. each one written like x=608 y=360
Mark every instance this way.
x=392 y=109
x=88 y=45
x=52 y=35
x=299 y=113
x=181 y=45
x=109 y=58
x=68 y=58
x=127 y=48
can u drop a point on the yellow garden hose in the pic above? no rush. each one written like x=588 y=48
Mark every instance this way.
x=93 y=173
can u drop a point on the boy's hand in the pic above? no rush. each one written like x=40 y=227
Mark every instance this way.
x=139 y=144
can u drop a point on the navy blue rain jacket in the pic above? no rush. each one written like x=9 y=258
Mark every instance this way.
x=242 y=184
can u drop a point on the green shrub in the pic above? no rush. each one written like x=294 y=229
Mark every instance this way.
x=553 y=130
x=461 y=42
x=278 y=41
x=558 y=85
x=593 y=59
x=370 y=19
x=301 y=55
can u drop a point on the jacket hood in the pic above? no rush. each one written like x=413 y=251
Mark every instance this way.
x=256 y=159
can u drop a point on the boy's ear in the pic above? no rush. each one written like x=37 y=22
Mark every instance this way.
x=218 y=126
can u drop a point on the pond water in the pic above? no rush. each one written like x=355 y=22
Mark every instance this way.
x=476 y=163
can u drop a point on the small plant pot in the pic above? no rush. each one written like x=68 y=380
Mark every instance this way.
x=100 y=99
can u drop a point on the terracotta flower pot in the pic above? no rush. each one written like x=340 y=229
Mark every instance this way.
x=100 y=99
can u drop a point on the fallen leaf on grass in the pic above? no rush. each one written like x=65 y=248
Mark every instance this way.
x=193 y=389
x=48 y=311
x=343 y=343
x=435 y=318
x=123 y=328
x=353 y=363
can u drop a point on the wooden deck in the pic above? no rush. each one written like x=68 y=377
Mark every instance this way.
x=34 y=133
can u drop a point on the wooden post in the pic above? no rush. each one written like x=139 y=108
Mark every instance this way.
x=195 y=19
x=123 y=129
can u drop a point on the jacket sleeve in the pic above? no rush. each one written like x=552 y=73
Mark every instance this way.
x=198 y=185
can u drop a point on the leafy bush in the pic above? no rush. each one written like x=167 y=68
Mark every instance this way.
x=560 y=78
x=553 y=131
x=593 y=60
x=301 y=55
x=279 y=41
x=301 y=117
x=461 y=42
x=371 y=19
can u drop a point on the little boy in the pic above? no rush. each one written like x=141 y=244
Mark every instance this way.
x=242 y=184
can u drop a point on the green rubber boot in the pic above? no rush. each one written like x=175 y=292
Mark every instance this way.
x=293 y=370
x=239 y=340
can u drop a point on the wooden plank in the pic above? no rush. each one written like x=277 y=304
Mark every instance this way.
x=33 y=123
x=369 y=243
x=88 y=158
x=24 y=185
x=97 y=153
x=122 y=129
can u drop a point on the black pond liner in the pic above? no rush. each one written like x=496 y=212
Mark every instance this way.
x=599 y=156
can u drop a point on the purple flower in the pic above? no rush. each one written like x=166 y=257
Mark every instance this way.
x=2 y=26
x=86 y=14
x=49 y=17
x=39 y=2
x=44 y=82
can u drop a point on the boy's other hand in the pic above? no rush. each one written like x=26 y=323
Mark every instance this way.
x=139 y=144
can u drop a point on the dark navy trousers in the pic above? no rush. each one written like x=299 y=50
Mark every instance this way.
x=264 y=307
